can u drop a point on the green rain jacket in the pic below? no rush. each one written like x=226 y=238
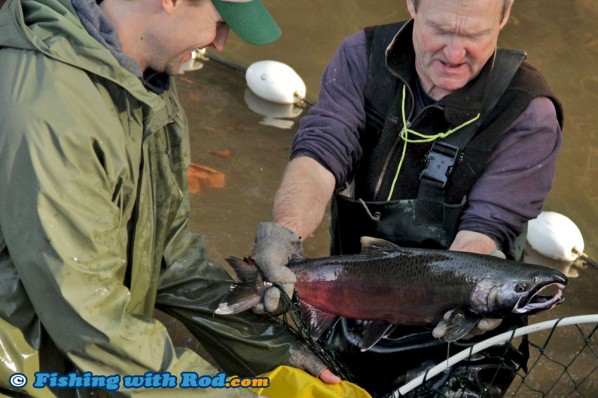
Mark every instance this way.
x=93 y=214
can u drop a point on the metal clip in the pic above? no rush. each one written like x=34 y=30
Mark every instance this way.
x=441 y=160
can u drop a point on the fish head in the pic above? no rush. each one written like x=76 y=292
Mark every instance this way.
x=526 y=292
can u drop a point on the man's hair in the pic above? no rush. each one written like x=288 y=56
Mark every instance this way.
x=505 y=6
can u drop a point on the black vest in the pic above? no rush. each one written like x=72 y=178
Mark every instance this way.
x=435 y=178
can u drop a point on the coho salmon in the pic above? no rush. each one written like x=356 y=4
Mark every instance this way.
x=391 y=285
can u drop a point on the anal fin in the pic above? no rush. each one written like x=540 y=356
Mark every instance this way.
x=373 y=332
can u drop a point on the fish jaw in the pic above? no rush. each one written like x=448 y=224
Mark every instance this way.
x=495 y=298
x=537 y=303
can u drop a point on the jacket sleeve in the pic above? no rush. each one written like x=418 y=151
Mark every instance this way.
x=192 y=286
x=519 y=176
x=330 y=132
x=67 y=238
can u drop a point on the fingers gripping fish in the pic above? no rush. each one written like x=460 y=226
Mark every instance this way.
x=389 y=285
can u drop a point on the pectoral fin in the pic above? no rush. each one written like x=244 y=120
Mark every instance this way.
x=459 y=323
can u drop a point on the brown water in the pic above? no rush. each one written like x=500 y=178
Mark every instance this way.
x=559 y=36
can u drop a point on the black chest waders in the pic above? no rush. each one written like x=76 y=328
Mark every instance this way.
x=425 y=214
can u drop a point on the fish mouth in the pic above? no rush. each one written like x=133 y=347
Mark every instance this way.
x=536 y=302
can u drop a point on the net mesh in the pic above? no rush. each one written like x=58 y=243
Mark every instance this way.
x=563 y=362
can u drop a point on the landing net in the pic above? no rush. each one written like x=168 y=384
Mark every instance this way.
x=563 y=362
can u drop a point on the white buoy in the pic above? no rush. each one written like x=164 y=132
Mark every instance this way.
x=555 y=236
x=275 y=81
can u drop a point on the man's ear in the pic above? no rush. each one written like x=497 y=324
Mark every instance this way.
x=169 y=5
x=507 y=14
x=411 y=8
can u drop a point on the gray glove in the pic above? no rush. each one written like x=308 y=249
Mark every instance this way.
x=484 y=325
x=303 y=358
x=274 y=246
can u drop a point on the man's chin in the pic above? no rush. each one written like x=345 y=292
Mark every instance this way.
x=452 y=84
x=176 y=65
x=174 y=69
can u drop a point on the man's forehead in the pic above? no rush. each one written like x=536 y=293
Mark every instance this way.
x=470 y=9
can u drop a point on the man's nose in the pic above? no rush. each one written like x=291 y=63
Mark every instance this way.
x=221 y=36
x=455 y=51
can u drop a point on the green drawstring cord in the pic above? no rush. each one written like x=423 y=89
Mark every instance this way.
x=423 y=138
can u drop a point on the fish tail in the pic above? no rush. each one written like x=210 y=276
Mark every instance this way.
x=243 y=294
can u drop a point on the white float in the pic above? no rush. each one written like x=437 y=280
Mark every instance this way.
x=275 y=81
x=555 y=236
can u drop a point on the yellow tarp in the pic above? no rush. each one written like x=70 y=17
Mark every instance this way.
x=288 y=382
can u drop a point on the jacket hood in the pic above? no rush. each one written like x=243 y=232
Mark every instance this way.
x=52 y=28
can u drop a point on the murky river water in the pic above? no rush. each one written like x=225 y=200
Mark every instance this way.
x=559 y=36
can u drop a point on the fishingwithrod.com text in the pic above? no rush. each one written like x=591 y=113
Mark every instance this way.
x=150 y=380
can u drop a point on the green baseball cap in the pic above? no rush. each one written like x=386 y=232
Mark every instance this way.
x=249 y=19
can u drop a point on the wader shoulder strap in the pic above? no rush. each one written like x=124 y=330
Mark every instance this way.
x=444 y=154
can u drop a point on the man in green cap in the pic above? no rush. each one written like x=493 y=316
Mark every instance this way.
x=94 y=203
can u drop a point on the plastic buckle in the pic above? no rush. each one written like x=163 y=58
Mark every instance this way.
x=441 y=159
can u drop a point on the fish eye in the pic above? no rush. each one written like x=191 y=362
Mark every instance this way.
x=521 y=287
x=536 y=279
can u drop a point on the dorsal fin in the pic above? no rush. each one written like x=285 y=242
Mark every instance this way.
x=375 y=244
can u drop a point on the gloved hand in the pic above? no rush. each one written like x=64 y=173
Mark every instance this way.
x=303 y=358
x=484 y=325
x=274 y=246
